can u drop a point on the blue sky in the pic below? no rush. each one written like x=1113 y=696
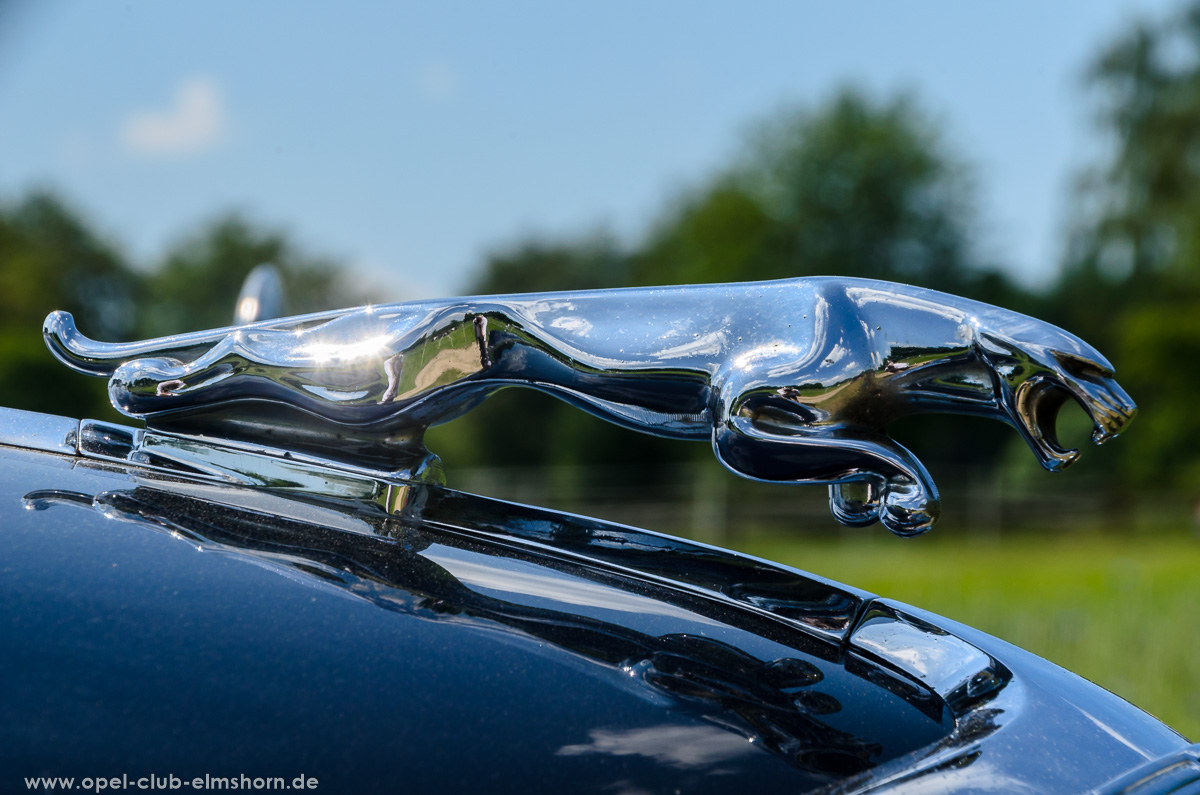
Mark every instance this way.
x=410 y=139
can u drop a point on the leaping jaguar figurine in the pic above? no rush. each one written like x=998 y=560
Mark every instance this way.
x=791 y=381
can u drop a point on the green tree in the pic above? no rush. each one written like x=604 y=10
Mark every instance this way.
x=50 y=259
x=534 y=265
x=721 y=233
x=856 y=187
x=197 y=283
x=1131 y=282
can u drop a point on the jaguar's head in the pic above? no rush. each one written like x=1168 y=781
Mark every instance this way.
x=1039 y=367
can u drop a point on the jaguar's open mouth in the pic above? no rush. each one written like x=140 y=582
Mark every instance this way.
x=1038 y=401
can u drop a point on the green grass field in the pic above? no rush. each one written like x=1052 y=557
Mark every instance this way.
x=1119 y=610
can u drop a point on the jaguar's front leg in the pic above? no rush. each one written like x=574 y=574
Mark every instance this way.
x=871 y=477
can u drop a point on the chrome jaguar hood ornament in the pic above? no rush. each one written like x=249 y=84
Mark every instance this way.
x=791 y=381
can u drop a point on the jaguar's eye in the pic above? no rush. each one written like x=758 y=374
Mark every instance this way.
x=1079 y=367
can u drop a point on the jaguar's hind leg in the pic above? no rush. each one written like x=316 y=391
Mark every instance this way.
x=871 y=476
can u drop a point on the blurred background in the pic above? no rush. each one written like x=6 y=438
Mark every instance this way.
x=1043 y=158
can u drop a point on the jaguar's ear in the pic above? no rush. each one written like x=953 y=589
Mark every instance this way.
x=994 y=344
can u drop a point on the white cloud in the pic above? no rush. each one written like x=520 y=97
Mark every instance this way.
x=437 y=80
x=685 y=747
x=195 y=121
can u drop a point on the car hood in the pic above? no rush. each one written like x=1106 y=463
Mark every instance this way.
x=157 y=624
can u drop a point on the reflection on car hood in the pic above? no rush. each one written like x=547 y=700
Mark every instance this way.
x=165 y=624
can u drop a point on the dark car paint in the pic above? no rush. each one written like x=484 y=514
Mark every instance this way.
x=156 y=625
